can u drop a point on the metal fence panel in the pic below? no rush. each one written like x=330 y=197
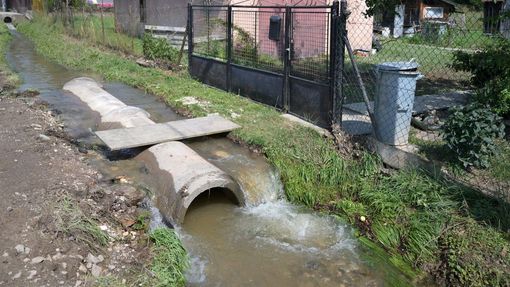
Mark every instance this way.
x=276 y=55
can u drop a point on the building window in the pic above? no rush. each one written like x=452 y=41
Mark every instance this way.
x=433 y=12
x=142 y=11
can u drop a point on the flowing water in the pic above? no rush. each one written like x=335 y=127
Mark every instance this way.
x=267 y=243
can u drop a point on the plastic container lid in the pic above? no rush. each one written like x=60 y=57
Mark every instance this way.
x=398 y=66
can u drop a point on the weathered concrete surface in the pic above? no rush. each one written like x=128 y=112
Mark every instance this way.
x=113 y=112
x=12 y=17
x=123 y=138
x=294 y=119
x=183 y=175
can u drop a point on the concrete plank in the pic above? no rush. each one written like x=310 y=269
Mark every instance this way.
x=123 y=138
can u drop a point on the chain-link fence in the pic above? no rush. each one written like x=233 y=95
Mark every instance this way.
x=322 y=65
x=432 y=87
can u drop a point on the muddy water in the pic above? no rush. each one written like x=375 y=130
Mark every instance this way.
x=267 y=243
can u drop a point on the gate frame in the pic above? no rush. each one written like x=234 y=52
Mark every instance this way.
x=336 y=58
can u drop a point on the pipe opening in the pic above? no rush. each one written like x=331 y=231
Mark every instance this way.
x=215 y=196
x=7 y=20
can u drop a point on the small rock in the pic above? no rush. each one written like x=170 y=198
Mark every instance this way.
x=82 y=268
x=36 y=126
x=5 y=254
x=31 y=274
x=127 y=222
x=96 y=271
x=83 y=150
x=9 y=208
x=22 y=249
x=132 y=195
x=57 y=256
x=43 y=138
x=37 y=260
x=93 y=259
x=16 y=276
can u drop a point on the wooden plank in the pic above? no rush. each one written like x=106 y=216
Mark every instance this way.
x=117 y=139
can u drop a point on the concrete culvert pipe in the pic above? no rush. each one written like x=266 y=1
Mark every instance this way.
x=181 y=174
x=113 y=112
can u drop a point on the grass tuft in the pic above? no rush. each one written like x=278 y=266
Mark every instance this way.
x=71 y=221
x=170 y=259
x=9 y=79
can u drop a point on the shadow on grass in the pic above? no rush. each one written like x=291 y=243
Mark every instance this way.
x=483 y=208
x=481 y=193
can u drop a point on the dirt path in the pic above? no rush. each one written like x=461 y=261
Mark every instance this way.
x=61 y=222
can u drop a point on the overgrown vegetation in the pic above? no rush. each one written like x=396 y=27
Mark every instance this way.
x=408 y=213
x=471 y=133
x=170 y=258
x=71 y=221
x=490 y=68
x=86 y=24
x=9 y=79
x=500 y=165
x=159 y=49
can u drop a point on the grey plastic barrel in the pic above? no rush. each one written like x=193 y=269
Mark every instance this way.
x=396 y=86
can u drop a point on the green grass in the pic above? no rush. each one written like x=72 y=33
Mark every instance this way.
x=467 y=33
x=170 y=261
x=408 y=214
x=170 y=258
x=500 y=165
x=9 y=79
x=88 y=25
x=498 y=172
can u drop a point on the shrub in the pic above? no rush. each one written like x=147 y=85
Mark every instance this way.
x=471 y=133
x=159 y=49
x=496 y=94
x=491 y=73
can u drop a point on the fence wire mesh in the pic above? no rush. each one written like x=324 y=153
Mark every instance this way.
x=210 y=32
x=310 y=44
x=413 y=104
x=409 y=108
x=251 y=46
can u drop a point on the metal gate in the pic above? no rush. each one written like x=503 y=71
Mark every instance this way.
x=282 y=56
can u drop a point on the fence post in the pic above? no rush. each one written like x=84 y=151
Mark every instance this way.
x=287 y=53
x=338 y=57
x=190 y=35
x=229 y=48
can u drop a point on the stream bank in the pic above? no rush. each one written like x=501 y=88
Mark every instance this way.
x=267 y=242
x=417 y=219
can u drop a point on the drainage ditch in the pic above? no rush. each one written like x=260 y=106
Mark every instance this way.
x=267 y=242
